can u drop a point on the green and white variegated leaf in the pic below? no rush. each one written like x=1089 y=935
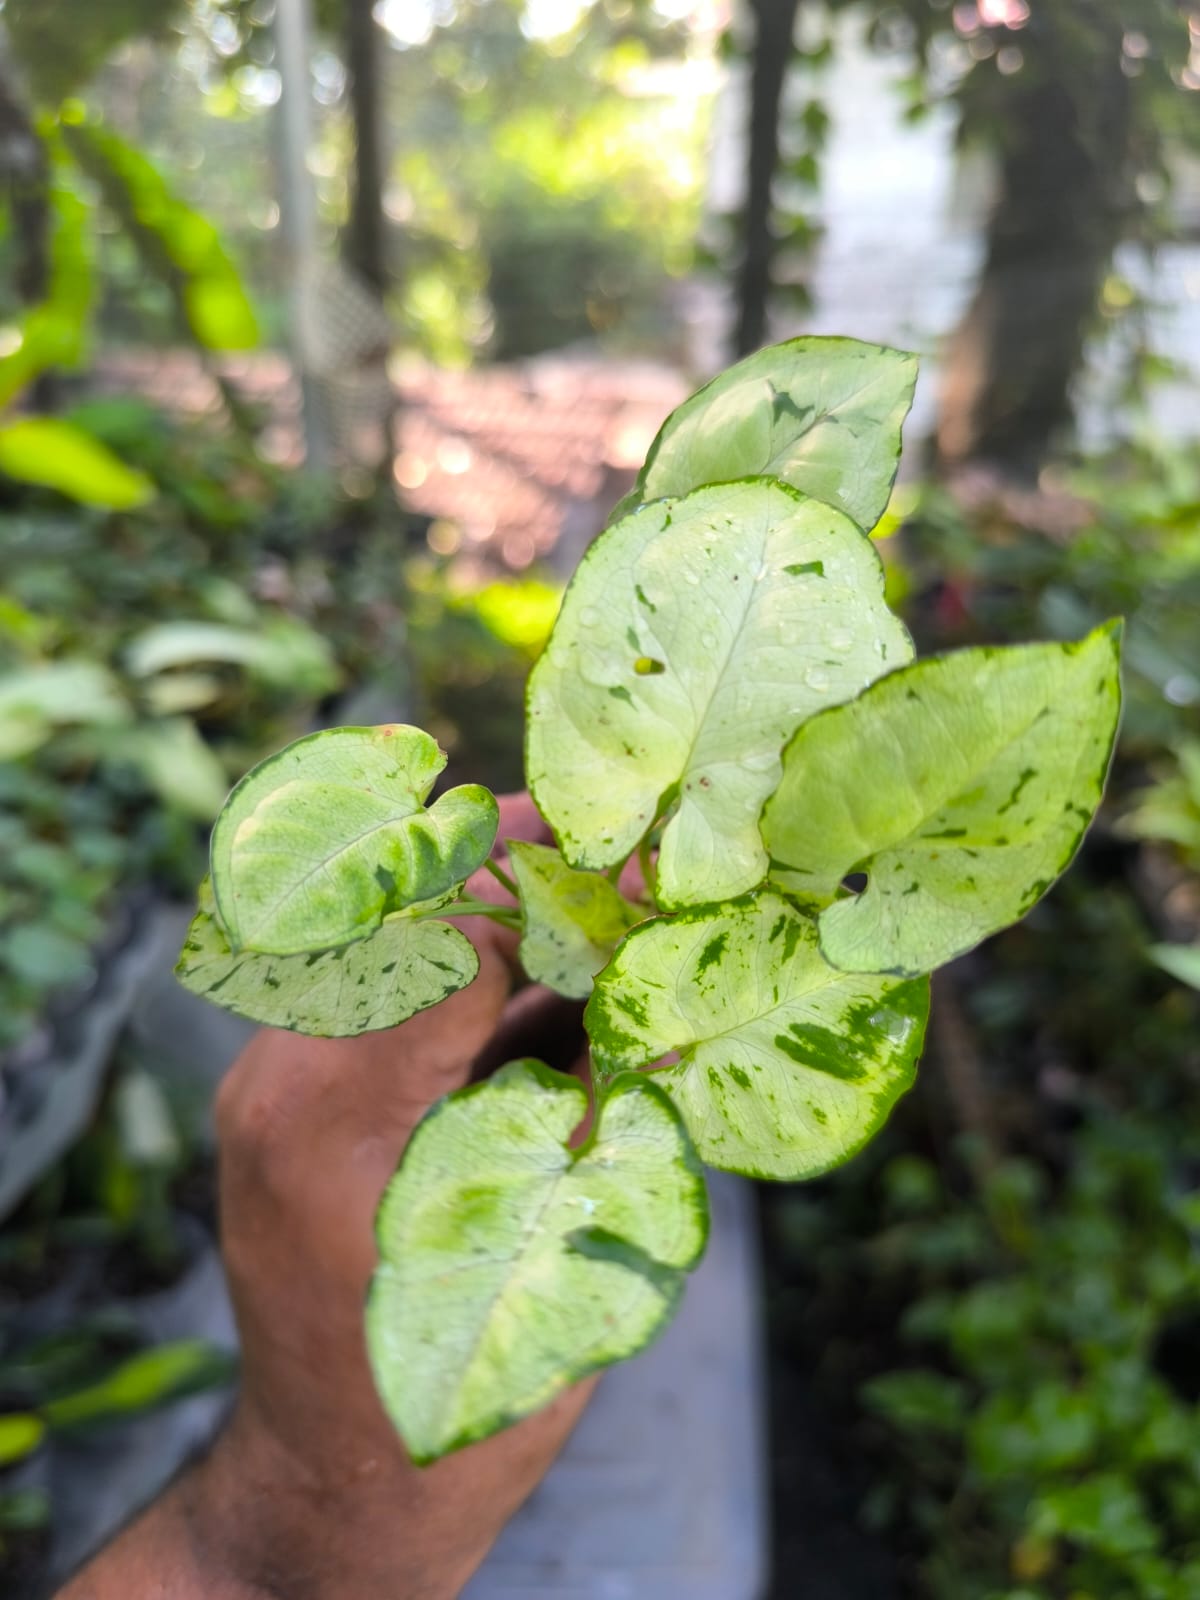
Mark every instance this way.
x=695 y=638
x=573 y=921
x=318 y=844
x=786 y=1066
x=511 y=1266
x=961 y=785
x=823 y=415
x=404 y=967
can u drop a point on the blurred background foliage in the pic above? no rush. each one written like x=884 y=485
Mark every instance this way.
x=986 y=1327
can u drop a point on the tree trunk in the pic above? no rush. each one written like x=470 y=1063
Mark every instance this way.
x=774 y=26
x=1057 y=219
x=365 y=242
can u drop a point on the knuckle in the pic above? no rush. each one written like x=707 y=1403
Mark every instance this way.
x=252 y=1120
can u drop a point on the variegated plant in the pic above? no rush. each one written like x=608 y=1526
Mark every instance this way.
x=726 y=697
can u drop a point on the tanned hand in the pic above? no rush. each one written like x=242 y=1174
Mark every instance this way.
x=308 y=1494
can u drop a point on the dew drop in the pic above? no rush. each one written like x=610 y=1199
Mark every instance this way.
x=709 y=641
x=589 y=616
x=840 y=639
x=692 y=578
x=816 y=678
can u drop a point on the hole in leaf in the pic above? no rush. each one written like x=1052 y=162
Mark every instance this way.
x=854 y=882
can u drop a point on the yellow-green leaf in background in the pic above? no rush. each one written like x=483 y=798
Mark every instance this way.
x=57 y=455
x=20 y=1435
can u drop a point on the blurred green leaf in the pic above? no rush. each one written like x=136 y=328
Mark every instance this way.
x=1182 y=961
x=177 y=243
x=1104 y=1512
x=175 y=763
x=20 y=1436
x=918 y=1401
x=56 y=455
x=24 y=1510
x=282 y=652
x=1054 y=1429
x=145 y=1381
x=37 y=700
x=53 y=333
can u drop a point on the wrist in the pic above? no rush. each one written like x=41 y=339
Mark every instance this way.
x=267 y=1525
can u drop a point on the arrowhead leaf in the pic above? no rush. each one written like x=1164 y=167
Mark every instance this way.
x=695 y=637
x=786 y=1066
x=318 y=844
x=502 y=1282
x=573 y=920
x=962 y=785
x=404 y=967
x=824 y=415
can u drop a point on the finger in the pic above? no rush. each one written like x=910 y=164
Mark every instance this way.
x=288 y=1089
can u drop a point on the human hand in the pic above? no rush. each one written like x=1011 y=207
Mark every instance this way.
x=309 y=1492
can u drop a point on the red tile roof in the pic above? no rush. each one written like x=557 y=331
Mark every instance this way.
x=515 y=462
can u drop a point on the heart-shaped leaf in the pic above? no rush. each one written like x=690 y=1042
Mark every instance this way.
x=695 y=637
x=573 y=920
x=821 y=414
x=961 y=785
x=786 y=1066
x=405 y=966
x=503 y=1281
x=318 y=844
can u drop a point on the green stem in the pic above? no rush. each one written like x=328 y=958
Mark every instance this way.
x=649 y=876
x=501 y=876
x=507 y=916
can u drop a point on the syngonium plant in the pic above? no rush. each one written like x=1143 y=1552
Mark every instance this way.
x=727 y=698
